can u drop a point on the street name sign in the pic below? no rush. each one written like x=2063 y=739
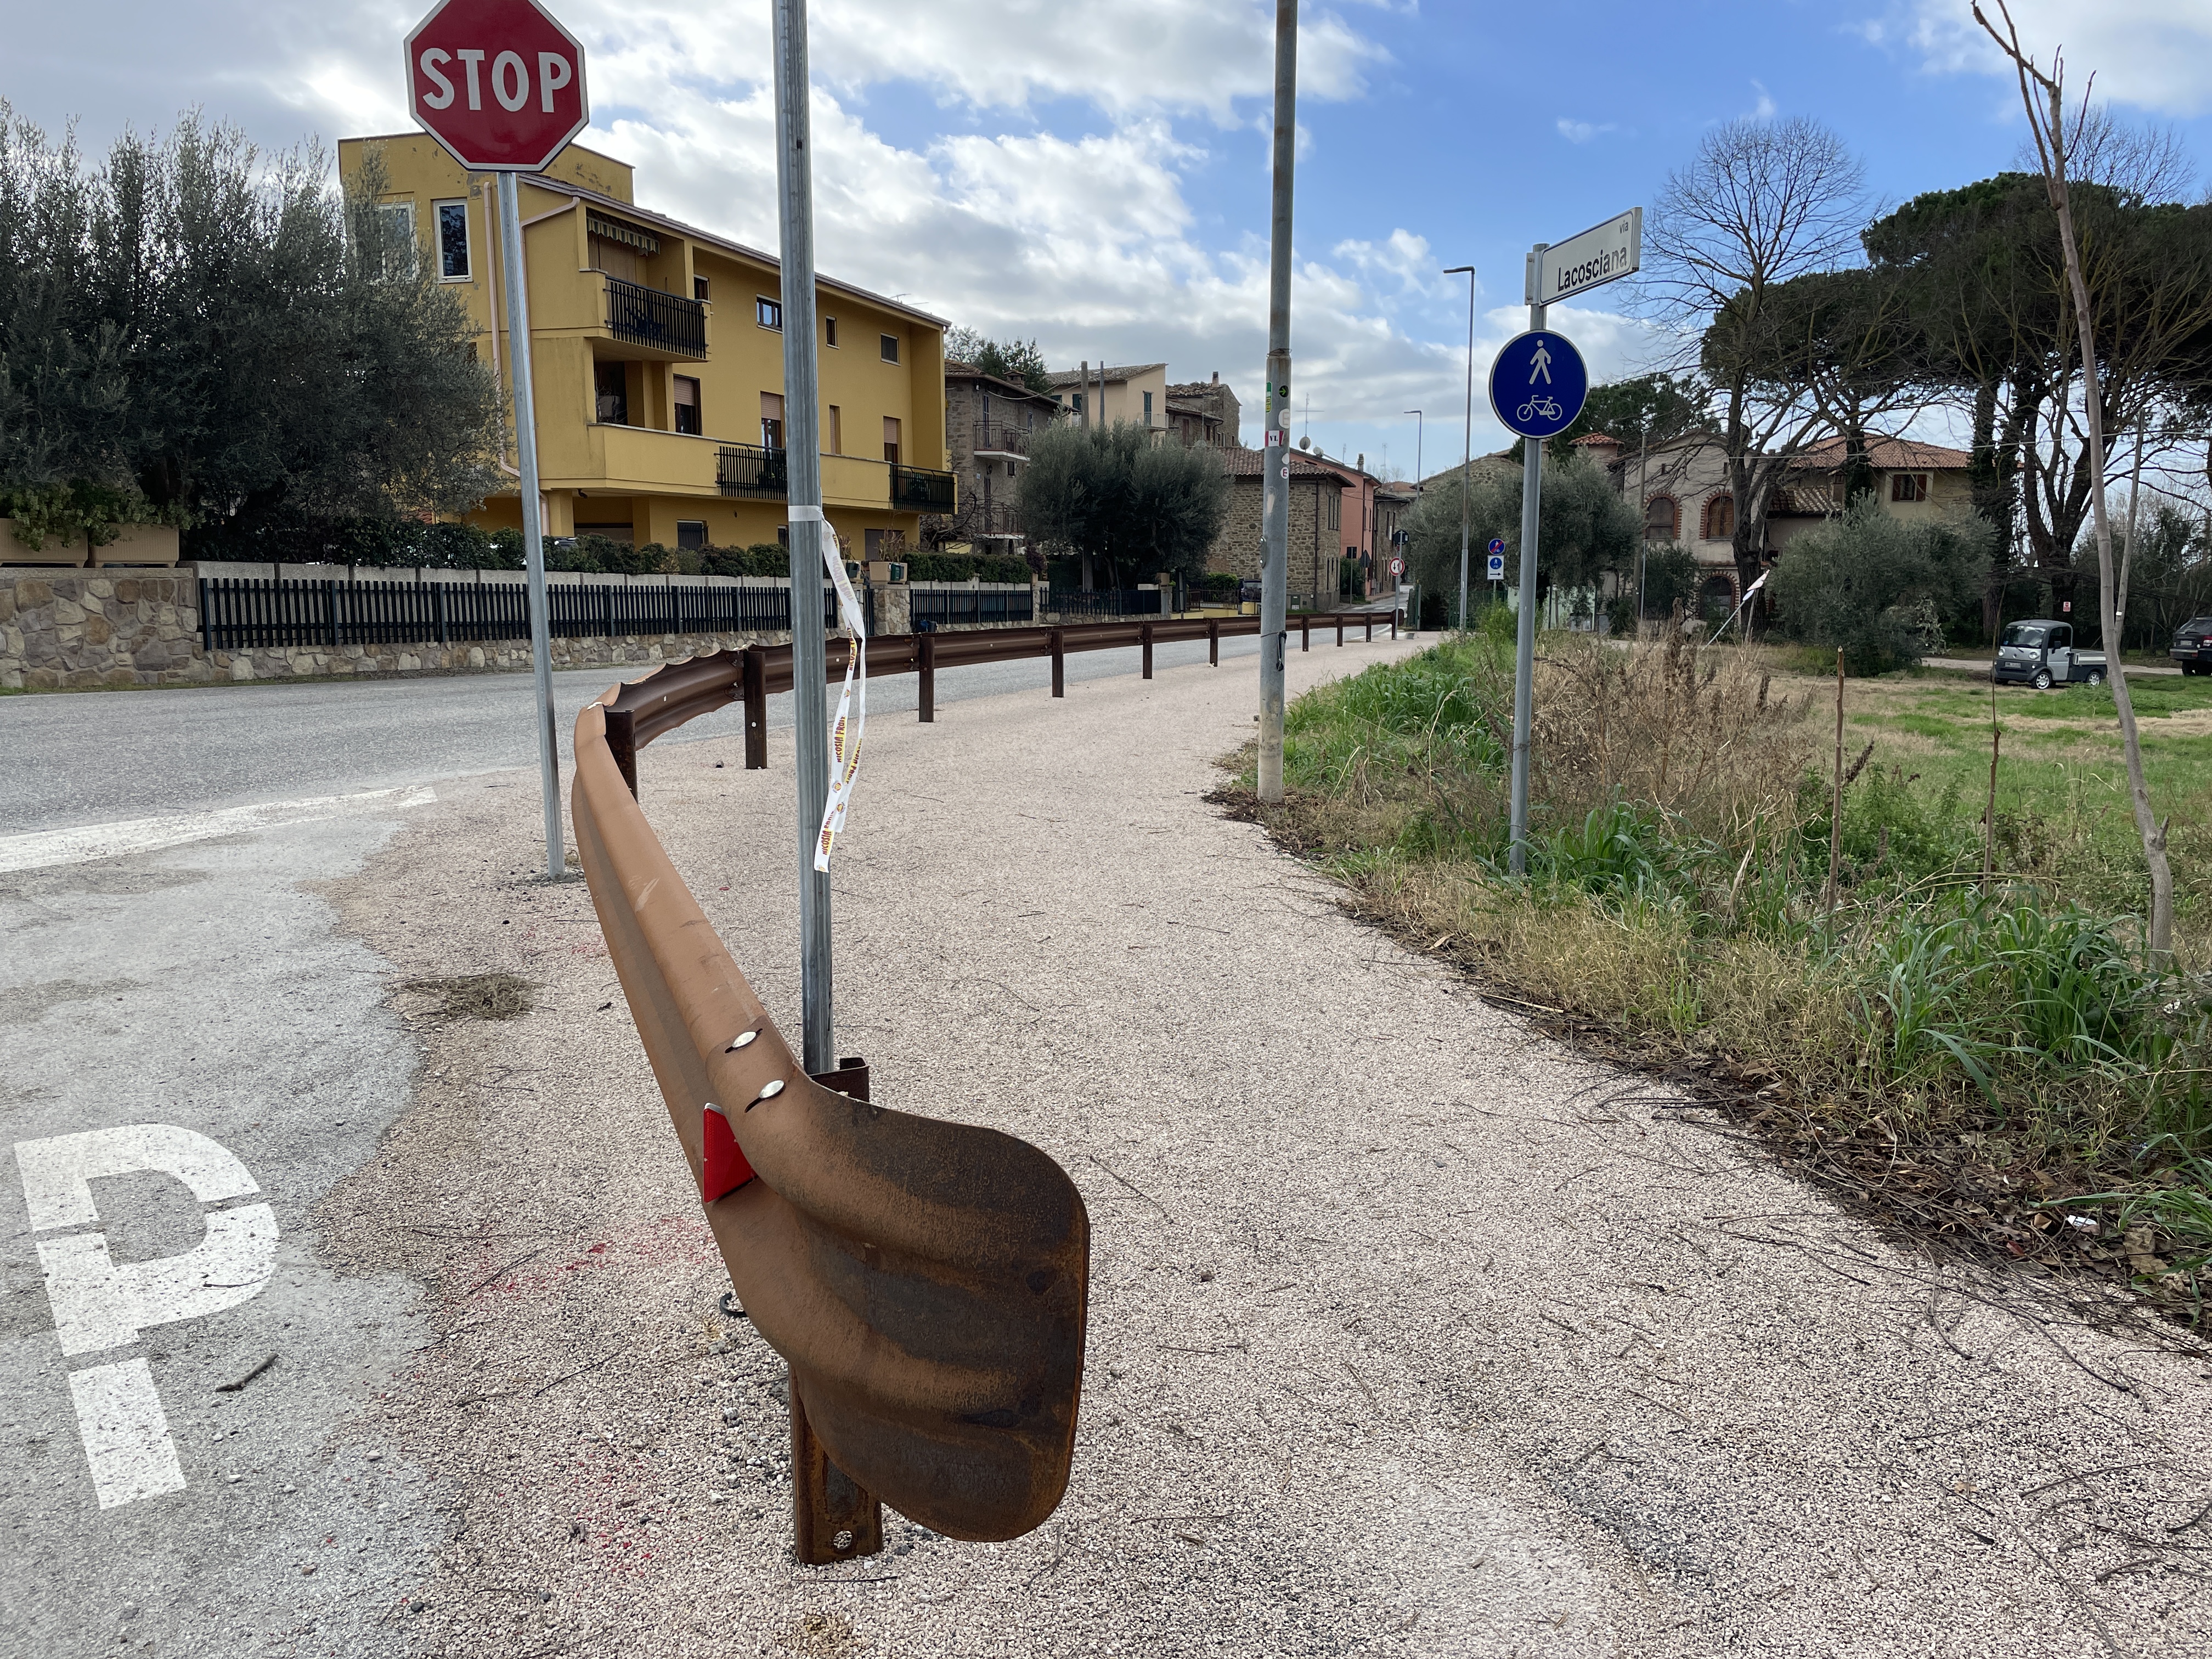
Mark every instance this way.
x=498 y=83
x=1538 y=384
x=1588 y=260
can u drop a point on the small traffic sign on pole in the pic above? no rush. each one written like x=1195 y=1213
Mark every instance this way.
x=501 y=85
x=1397 y=566
x=1496 y=571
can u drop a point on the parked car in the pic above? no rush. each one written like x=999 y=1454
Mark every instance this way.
x=2041 y=653
x=2192 y=646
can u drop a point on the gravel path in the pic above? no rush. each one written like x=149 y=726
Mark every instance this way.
x=1412 y=1333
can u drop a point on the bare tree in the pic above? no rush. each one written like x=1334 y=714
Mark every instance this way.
x=1763 y=203
x=2043 y=97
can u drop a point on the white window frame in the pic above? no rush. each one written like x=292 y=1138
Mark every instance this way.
x=468 y=237
x=887 y=347
x=761 y=306
x=829 y=332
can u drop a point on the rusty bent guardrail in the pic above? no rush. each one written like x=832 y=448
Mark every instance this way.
x=927 y=1282
x=759 y=671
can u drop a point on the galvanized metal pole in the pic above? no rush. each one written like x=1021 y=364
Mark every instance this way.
x=1275 y=452
x=802 y=469
x=1524 y=655
x=1467 y=445
x=534 y=527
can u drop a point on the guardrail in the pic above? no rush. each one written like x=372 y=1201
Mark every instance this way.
x=684 y=691
x=926 y=1282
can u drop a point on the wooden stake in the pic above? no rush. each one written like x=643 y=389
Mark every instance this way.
x=1836 y=812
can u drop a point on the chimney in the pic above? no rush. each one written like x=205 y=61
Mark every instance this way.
x=1216 y=377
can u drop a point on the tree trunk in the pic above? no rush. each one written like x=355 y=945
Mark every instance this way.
x=1990 y=503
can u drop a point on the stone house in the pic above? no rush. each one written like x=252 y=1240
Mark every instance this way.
x=988 y=422
x=1317 y=514
x=1206 y=412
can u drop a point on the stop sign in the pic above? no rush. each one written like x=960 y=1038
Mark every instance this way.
x=498 y=83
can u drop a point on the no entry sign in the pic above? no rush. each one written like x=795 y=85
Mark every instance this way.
x=498 y=83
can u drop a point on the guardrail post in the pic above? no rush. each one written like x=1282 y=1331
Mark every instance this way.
x=621 y=743
x=1213 y=642
x=925 y=671
x=1340 y=630
x=1145 y=633
x=752 y=677
x=1305 y=632
x=1059 y=663
x=1370 y=628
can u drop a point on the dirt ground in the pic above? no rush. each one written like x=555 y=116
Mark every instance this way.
x=1412 y=1332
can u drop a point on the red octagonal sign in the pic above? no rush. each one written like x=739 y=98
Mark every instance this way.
x=498 y=83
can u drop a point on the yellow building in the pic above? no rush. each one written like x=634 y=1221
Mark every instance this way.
x=658 y=355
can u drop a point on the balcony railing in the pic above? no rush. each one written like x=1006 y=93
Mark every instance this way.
x=646 y=317
x=750 y=469
x=919 y=490
x=997 y=438
x=993 y=518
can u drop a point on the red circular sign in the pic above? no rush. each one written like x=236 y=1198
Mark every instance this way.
x=498 y=83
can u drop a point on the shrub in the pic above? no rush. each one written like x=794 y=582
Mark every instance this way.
x=1878 y=586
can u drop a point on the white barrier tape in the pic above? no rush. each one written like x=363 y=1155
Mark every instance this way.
x=806 y=515
x=852 y=722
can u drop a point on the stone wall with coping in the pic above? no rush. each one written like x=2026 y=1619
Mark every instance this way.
x=65 y=629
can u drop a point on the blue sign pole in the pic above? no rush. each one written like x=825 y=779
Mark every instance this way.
x=1537 y=387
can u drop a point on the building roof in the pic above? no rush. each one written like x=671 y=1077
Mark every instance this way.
x=1074 y=376
x=1596 y=438
x=1888 y=454
x=1194 y=388
x=955 y=370
x=1251 y=463
x=623 y=209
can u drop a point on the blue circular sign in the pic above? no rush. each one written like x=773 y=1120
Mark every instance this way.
x=1538 y=384
x=1496 y=549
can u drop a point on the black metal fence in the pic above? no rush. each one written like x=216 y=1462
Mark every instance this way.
x=1103 y=605
x=751 y=470
x=241 y=613
x=944 y=607
x=925 y=490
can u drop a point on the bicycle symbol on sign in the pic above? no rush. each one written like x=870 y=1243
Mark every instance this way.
x=1544 y=408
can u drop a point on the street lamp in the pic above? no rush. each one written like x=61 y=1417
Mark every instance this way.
x=1467 y=457
x=1419 y=426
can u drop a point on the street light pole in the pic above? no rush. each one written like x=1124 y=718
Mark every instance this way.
x=1419 y=421
x=1466 y=456
x=1275 y=454
x=802 y=451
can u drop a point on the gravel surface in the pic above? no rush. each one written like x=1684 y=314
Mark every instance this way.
x=1412 y=1332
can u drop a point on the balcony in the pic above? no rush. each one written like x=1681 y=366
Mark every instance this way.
x=998 y=439
x=917 y=489
x=750 y=469
x=666 y=325
x=993 y=521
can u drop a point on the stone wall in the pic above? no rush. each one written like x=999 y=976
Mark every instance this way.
x=61 y=627
x=1313 y=549
x=80 y=630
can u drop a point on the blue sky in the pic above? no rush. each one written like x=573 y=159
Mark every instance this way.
x=1093 y=173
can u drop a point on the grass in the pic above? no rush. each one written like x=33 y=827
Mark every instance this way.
x=1982 y=1057
x=477 y=996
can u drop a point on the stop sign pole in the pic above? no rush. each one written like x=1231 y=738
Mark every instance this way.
x=501 y=85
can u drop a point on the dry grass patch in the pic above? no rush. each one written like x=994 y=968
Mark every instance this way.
x=476 y=996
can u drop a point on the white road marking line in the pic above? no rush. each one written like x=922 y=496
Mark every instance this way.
x=42 y=849
x=126 y=1435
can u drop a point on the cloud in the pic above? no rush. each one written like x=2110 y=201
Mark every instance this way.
x=1764 y=109
x=2155 y=54
x=1581 y=132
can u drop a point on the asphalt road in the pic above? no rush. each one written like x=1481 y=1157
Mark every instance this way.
x=102 y=758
